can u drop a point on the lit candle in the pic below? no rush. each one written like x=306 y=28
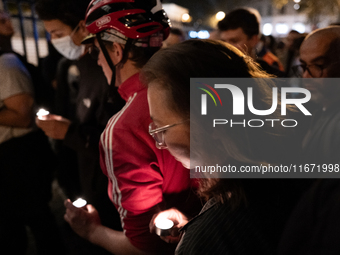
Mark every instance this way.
x=163 y=226
x=42 y=113
x=79 y=203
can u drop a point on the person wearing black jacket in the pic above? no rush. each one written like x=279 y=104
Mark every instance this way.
x=26 y=159
x=93 y=99
x=313 y=227
x=241 y=28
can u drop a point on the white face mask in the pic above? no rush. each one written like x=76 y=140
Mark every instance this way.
x=66 y=47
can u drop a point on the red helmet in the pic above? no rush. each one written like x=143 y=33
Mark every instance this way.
x=133 y=18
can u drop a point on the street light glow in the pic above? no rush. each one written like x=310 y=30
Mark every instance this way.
x=220 y=15
x=186 y=17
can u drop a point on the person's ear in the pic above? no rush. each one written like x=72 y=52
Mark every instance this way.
x=82 y=28
x=254 y=40
x=117 y=51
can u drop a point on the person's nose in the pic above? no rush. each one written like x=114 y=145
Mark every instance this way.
x=306 y=74
x=99 y=61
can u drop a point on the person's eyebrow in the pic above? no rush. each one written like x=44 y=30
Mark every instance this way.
x=153 y=119
x=318 y=59
x=314 y=60
x=53 y=31
x=156 y=121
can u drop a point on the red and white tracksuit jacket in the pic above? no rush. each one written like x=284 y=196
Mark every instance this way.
x=142 y=178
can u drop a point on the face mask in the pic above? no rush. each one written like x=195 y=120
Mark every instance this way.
x=66 y=47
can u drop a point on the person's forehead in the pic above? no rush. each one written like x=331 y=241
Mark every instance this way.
x=233 y=33
x=314 y=48
x=55 y=25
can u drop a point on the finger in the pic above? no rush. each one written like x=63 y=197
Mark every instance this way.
x=67 y=201
x=45 y=125
x=66 y=218
x=90 y=208
x=40 y=123
x=68 y=204
x=152 y=223
x=165 y=239
x=170 y=239
x=174 y=232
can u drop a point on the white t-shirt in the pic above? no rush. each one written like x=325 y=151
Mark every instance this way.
x=14 y=80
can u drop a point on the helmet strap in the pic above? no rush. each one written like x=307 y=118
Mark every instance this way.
x=108 y=59
x=126 y=50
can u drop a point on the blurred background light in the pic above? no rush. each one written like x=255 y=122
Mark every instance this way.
x=220 y=15
x=296 y=6
x=203 y=34
x=186 y=17
x=192 y=34
x=281 y=28
x=267 y=29
x=300 y=27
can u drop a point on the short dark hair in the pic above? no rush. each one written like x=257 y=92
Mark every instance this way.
x=240 y=18
x=70 y=12
x=138 y=55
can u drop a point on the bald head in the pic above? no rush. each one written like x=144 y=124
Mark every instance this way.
x=322 y=48
x=331 y=32
x=320 y=58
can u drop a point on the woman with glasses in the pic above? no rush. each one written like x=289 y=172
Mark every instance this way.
x=241 y=216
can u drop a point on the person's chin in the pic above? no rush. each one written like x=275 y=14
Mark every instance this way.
x=185 y=163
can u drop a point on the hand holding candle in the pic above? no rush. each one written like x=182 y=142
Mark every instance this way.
x=167 y=223
x=79 y=203
x=42 y=113
x=83 y=218
x=163 y=226
x=54 y=126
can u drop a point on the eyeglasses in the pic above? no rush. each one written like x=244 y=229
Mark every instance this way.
x=158 y=133
x=314 y=71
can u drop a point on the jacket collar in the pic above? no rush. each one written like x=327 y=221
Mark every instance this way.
x=130 y=86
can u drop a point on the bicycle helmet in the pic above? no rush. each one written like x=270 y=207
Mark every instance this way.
x=132 y=18
x=142 y=23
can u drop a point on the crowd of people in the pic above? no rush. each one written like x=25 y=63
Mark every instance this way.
x=119 y=135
